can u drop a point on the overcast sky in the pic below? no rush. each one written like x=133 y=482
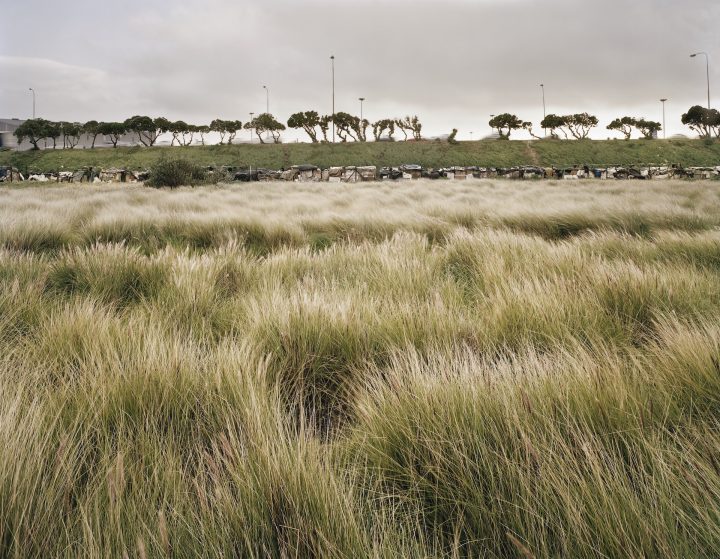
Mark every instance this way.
x=452 y=62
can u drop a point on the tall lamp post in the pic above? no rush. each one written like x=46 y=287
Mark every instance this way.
x=251 y=130
x=707 y=71
x=267 y=107
x=663 y=105
x=542 y=86
x=332 y=62
x=361 y=99
x=33 y=91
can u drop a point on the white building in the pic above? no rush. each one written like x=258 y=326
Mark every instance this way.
x=7 y=127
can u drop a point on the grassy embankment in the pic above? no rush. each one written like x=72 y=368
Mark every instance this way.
x=406 y=370
x=429 y=154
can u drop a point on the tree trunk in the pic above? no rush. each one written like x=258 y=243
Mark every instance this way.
x=311 y=132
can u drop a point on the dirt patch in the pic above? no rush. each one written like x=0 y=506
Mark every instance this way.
x=532 y=155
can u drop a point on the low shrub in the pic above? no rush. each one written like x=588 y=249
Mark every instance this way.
x=177 y=172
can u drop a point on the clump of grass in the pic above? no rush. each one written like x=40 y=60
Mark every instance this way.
x=110 y=272
x=561 y=451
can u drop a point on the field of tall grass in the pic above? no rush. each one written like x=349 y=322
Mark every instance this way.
x=425 y=369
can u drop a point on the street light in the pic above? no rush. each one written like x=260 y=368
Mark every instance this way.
x=267 y=107
x=361 y=99
x=542 y=86
x=31 y=89
x=663 y=105
x=707 y=70
x=251 y=129
x=332 y=62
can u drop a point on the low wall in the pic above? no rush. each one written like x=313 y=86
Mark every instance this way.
x=351 y=174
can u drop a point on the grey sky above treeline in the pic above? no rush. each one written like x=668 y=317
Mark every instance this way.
x=452 y=62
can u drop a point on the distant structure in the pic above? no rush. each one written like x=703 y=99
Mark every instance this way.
x=7 y=128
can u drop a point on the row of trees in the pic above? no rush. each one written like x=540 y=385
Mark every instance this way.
x=706 y=122
x=626 y=124
x=145 y=128
x=350 y=126
x=148 y=130
x=577 y=125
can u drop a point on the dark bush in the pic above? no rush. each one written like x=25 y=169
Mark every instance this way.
x=177 y=172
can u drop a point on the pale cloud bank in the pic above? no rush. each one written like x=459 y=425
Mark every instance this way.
x=453 y=63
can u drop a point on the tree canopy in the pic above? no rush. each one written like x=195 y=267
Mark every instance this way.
x=265 y=122
x=71 y=132
x=91 y=129
x=623 y=125
x=410 y=124
x=505 y=123
x=381 y=125
x=648 y=128
x=351 y=126
x=227 y=128
x=308 y=121
x=705 y=122
x=146 y=128
x=580 y=124
x=554 y=122
x=112 y=131
x=33 y=130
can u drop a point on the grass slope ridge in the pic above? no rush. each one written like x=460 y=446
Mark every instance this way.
x=371 y=370
x=426 y=153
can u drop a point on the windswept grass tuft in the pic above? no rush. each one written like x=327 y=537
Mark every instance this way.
x=109 y=272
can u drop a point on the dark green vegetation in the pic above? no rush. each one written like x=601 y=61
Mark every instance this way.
x=176 y=172
x=425 y=369
x=427 y=153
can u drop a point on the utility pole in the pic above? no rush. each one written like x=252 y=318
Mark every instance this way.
x=542 y=86
x=707 y=71
x=251 y=129
x=267 y=107
x=33 y=91
x=361 y=99
x=663 y=105
x=332 y=62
